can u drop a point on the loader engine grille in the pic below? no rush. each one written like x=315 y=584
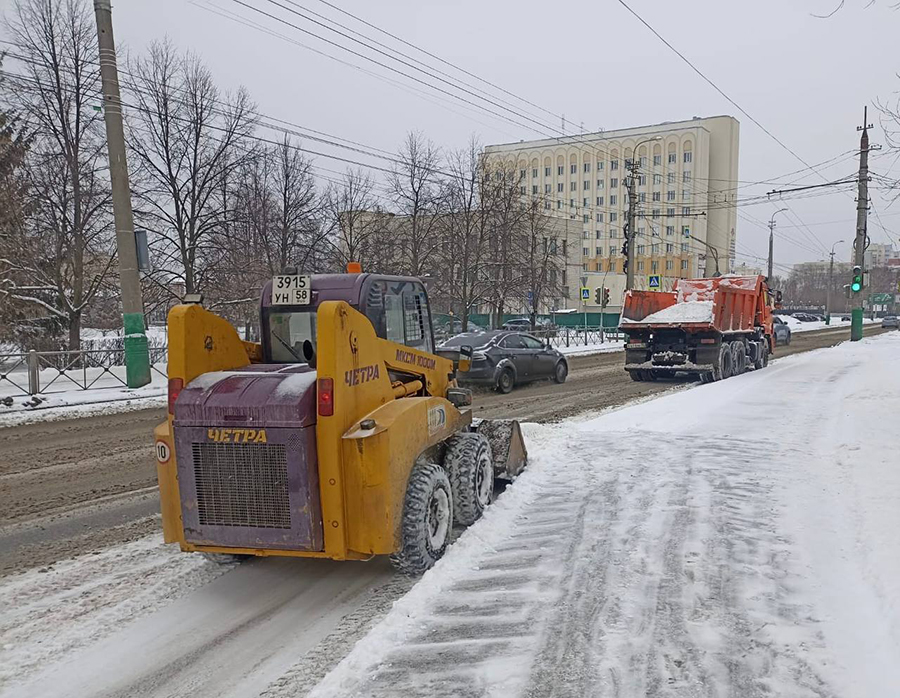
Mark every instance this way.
x=242 y=485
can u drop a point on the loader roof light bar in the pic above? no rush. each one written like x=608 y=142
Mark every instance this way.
x=856 y=283
x=175 y=386
x=354 y=268
x=325 y=391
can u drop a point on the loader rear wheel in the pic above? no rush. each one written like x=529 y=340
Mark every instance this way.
x=506 y=381
x=636 y=375
x=470 y=466
x=427 y=519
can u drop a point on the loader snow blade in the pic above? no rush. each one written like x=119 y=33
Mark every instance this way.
x=507 y=446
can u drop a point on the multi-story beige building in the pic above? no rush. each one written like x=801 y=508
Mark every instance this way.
x=685 y=194
x=879 y=254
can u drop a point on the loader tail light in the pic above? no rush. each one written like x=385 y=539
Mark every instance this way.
x=175 y=386
x=326 y=396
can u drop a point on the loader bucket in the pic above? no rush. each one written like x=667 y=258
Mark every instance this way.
x=507 y=446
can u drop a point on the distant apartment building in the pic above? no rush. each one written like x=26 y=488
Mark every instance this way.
x=881 y=255
x=685 y=194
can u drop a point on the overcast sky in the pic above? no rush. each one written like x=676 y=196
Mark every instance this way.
x=805 y=79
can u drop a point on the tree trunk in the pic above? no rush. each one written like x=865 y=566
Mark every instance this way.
x=75 y=331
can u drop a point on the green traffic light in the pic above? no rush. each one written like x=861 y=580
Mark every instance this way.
x=856 y=285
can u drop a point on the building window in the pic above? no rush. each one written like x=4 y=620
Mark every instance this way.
x=599 y=184
x=559 y=170
x=599 y=234
x=599 y=217
x=573 y=169
x=586 y=235
x=654 y=249
x=559 y=186
x=642 y=180
x=587 y=185
x=534 y=172
x=672 y=158
x=642 y=197
x=521 y=174
x=613 y=183
x=670 y=248
x=613 y=199
x=613 y=233
x=688 y=156
x=628 y=162
x=613 y=217
x=546 y=188
x=587 y=167
x=670 y=178
x=599 y=165
x=573 y=186
x=686 y=176
x=685 y=195
x=684 y=247
x=547 y=204
x=571 y=203
x=669 y=265
x=640 y=249
x=559 y=203
x=670 y=230
x=599 y=200
x=522 y=190
x=586 y=251
x=670 y=213
x=655 y=213
x=546 y=171
x=685 y=210
x=686 y=231
x=684 y=264
x=586 y=218
x=657 y=159
x=640 y=266
x=654 y=266
x=657 y=178
x=643 y=160
x=656 y=195
x=534 y=188
x=585 y=203
x=614 y=164
x=670 y=195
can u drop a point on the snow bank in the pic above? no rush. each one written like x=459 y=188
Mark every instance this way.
x=593 y=348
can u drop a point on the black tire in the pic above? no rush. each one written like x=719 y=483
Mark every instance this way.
x=766 y=353
x=726 y=361
x=560 y=372
x=762 y=354
x=650 y=375
x=224 y=558
x=470 y=466
x=740 y=358
x=506 y=381
x=636 y=375
x=427 y=519
x=707 y=377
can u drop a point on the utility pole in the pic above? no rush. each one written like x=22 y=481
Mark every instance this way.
x=137 y=355
x=630 y=222
x=861 y=240
x=830 y=284
x=772 y=241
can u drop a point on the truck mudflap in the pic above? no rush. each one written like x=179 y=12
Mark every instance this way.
x=507 y=445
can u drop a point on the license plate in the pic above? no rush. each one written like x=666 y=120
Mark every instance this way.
x=291 y=290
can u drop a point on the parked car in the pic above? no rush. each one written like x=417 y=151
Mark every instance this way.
x=845 y=318
x=804 y=317
x=781 y=330
x=519 y=324
x=891 y=321
x=502 y=359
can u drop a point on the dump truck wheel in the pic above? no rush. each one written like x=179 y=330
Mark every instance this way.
x=726 y=361
x=469 y=463
x=506 y=381
x=740 y=358
x=707 y=377
x=561 y=372
x=762 y=355
x=427 y=519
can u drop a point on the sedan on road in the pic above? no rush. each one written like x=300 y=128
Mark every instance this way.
x=502 y=359
x=891 y=321
x=781 y=330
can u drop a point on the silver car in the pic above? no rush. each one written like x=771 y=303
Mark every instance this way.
x=891 y=321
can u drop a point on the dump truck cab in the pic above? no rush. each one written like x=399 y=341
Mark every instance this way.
x=311 y=442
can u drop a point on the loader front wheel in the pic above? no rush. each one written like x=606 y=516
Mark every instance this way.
x=470 y=466
x=427 y=519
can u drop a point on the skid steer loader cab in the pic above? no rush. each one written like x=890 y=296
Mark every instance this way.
x=340 y=435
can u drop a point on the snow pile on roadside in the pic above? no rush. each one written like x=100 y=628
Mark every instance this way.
x=836 y=323
x=669 y=545
x=45 y=614
x=88 y=403
x=592 y=348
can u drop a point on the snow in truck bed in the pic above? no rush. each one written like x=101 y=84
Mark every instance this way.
x=689 y=311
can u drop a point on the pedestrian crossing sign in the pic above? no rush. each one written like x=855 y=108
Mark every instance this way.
x=585 y=293
x=653 y=281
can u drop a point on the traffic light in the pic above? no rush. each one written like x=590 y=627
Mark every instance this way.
x=856 y=283
x=605 y=297
x=598 y=296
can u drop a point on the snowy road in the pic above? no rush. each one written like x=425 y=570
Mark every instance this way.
x=739 y=539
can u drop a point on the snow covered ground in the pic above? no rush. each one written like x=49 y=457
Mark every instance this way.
x=836 y=322
x=735 y=539
x=738 y=538
x=593 y=348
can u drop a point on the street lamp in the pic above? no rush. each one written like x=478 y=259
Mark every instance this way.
x=830 y=277
x=632 y=206
x=772 y=239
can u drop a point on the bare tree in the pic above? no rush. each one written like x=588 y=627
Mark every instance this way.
x=543 y=256
x=353 y=223
x=186 y=140
x=65 y=250
x=415 y=190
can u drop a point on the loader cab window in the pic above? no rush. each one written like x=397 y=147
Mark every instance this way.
x=287 y=332
x=399 y=312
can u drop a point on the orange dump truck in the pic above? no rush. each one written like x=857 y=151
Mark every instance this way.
x=715 y=328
